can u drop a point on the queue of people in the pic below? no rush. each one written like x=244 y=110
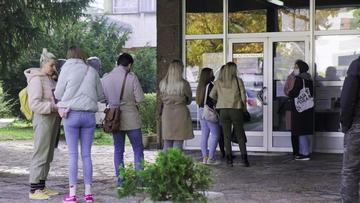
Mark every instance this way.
x=73 y=97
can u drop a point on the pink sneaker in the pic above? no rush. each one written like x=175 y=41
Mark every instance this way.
x=69 y=199
x=88 y=198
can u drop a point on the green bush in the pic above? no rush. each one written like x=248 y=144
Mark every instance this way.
x=174 y=176
x=147 y=111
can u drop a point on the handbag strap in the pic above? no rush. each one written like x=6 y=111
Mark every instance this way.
x=303 y=83
x=206 y=93
x=123 y=86
x=237 y=82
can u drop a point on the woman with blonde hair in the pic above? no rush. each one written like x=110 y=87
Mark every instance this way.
x=78 y=90
x=230 y=94
x=46 y=123
x=175 y=93
x=209 y=126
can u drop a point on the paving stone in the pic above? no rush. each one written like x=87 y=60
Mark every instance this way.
x=269 y=178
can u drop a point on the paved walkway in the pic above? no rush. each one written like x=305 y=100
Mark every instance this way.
x=271 y=177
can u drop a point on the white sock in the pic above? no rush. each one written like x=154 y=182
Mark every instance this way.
x=72 y=190
x=87 y=189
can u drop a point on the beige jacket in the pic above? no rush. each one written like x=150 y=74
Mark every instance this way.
x=133 y=94
x=229 y=98
x=40 y=96
x=176 y=120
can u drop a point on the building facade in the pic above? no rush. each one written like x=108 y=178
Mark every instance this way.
x=264 y=38
x=139 y=16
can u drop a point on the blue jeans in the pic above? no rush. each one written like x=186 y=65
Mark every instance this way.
x=80 y=124
x=208 y=128
x=135 y=137
x=304 y=144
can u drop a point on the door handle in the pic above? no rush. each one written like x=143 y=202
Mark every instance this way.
x=261 y=96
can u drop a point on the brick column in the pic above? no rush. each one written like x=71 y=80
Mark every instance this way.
x=169 y=41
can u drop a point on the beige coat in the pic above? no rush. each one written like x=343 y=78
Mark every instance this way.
x=229 y=98
x=40 y=87
x=176 y=120
x=133 y=94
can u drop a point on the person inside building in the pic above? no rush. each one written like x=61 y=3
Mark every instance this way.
x=46 y=122
x=175 y=94
x=208 y=126
x=229 y=92
x=302 y=123
x=289 y=85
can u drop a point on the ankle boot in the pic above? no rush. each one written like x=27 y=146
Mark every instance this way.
x=229 y=160
x=245 y=160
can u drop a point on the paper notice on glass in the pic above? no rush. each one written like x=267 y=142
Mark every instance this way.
x=280 y=88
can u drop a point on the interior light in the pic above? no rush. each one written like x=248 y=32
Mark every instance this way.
x=277 y=2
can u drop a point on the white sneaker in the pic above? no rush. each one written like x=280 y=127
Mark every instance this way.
x=211 y=161
x=205 y=160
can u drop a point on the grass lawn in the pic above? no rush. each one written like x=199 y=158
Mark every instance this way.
x=22 y=130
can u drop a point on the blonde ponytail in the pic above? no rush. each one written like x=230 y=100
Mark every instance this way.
x=46 y=56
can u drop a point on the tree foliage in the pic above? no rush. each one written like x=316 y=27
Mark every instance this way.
x=25 y=28
x=145 y=68
x=23 y=23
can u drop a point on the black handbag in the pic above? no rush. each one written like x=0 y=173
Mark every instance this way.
x=245 y=112
x=234 y=139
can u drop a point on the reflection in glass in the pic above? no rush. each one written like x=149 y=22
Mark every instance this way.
x=247 y=21
x=337 y=15
x=204 y=18
x=333 y=55
x=249 y=58
x=200 y=54
x=251 y=16
x=285 y=55
x=294 y=19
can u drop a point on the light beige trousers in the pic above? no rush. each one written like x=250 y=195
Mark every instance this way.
x=46 y=127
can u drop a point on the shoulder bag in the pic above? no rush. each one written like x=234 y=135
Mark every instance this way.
x=209 y=114
x=246 y=114
x=304 y=101
x=111 y=123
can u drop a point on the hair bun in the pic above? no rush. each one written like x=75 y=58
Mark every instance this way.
x=44 y=51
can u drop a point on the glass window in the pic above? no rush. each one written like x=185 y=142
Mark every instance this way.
x=147 y=6
x=337 y=15
x=204 y=18
x=125 y=6
x=249 y=58
x=268 y=16
x=333 y=55
x=284 y=56
x=200 y=54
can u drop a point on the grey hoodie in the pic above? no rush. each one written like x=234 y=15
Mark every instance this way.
x=39 y=90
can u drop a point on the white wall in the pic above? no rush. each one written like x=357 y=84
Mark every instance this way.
x=143 y=27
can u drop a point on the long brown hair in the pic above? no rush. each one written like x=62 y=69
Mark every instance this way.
x=228 y=74
x=206 y=76
x=75 y=52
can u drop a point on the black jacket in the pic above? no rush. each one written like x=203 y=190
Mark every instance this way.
x=301 y=123
x=350 y=98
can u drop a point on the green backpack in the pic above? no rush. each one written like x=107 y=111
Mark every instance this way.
x=24 y=104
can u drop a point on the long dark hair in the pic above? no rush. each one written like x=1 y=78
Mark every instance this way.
x=206 y=76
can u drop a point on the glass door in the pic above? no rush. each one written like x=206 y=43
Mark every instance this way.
x=264 y=64
x=251 y=59
x=283 y=54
